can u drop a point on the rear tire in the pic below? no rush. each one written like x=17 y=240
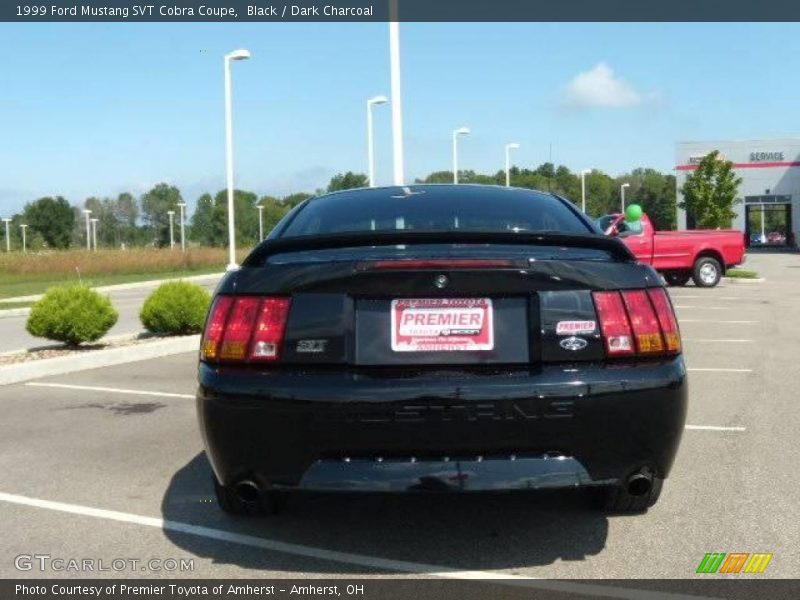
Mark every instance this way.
x=707 y=272
x=677 y=278
x=616 y=499
x=270 y=503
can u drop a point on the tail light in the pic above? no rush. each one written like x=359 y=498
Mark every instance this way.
x=614 y=323
x=666 y=319
x=637 y=322
x=245 y=328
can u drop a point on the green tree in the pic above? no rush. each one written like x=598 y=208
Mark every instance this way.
x=155 y=207
x=293 y=200
x=274 y=211
x=711 y=191
x=347 y=181
x=438 y=177
x=202 y=222
x=51 y=218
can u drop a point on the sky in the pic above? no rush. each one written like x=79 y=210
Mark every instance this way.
x=98 y=109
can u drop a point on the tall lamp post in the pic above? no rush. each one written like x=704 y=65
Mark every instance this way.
x=24 y=242
x=88 y=212
x=509 y=148
x=240 y=54
x=456 y=133
x=171 y=214
x=182 y=207
x=260 y=208
x=8 y=236
x=397 y=104
x=370 y=141
x=622 y=193
x=584 y=173
x=94 y=233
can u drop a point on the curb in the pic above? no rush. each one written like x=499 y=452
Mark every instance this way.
x=742 y=280
x=61 y=365
x=14 y=312
x=124 y=286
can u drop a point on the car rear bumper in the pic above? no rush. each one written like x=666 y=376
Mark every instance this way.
x=449 y=429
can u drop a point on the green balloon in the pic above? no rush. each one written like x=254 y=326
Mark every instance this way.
x=633 y=213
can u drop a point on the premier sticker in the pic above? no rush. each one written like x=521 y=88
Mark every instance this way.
x=573 y=327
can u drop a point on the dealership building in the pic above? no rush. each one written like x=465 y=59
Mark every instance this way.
x=769 y=211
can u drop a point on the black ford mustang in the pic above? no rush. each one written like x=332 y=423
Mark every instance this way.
x=428 y=338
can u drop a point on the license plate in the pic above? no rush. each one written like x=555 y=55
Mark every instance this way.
x=442 y=324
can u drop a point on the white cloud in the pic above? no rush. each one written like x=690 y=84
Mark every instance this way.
x=600 y=88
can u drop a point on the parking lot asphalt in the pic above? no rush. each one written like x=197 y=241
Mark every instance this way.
x=125 y=439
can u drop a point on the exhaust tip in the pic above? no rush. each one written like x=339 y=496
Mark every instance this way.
x=248 y=492
x=639 y=484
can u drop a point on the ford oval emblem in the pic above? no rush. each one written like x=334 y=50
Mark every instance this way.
x=573 y=343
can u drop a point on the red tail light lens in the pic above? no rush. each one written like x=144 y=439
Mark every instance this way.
x=614 y=323
x=638 y=322
x=245 y=328
x=215 y=327
x=646 y=331
x=239 y=328
x=666 y=319
x=270 y=327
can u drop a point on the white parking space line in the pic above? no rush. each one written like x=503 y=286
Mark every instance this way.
x=719 y=370
x=714 y=428
x=363 y=560
x=706 y=307
x=684 y=297
x=712 y=321
x=714 y=341
x=92 y=388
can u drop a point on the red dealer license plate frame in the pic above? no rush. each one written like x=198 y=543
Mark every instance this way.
x=442 y=325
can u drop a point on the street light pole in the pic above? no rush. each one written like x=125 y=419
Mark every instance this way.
x=94 y=233
x=456 y=133
x=8 y=237
x=171 y=214
x=370 y=142
x=24 y=244
x=622 y=193
x=235 y=55
x=182 y=206
x=509 y=148
x=260 y=208
x=397 y=104
x=87 y=212
x=584 y=173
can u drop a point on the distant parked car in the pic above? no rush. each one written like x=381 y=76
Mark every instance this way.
x=755 y=238
x=776 y=237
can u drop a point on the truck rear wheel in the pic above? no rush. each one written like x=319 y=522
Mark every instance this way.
x=707 y=272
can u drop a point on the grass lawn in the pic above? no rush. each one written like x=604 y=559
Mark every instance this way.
x=25 y=275
x=13 y=286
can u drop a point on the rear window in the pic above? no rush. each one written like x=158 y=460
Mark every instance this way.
x=465 y=209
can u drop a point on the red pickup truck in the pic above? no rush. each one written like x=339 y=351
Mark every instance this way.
x=700 y=254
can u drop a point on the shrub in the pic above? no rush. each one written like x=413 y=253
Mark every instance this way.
x=72 y=314
x=175 y=308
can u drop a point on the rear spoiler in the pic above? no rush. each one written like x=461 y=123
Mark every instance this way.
x=267 y=248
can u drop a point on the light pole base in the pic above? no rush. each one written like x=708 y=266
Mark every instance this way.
x=232 y=267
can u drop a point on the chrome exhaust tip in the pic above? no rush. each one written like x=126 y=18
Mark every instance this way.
x=248 y=491
x=640 y=484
